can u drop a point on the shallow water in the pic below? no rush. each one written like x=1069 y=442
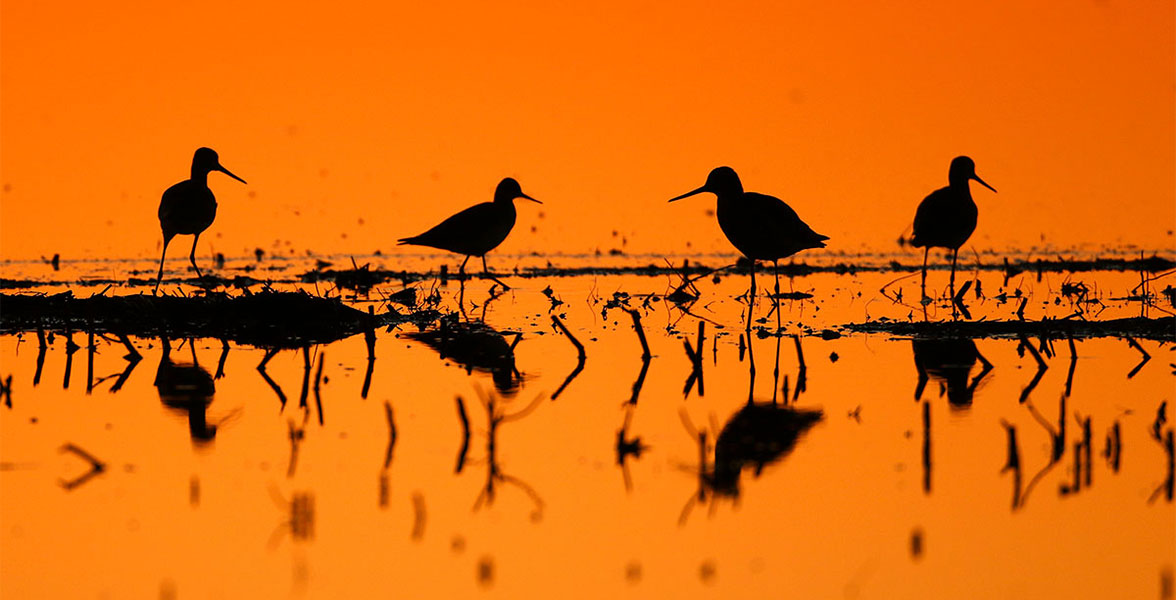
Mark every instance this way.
x=626 y=478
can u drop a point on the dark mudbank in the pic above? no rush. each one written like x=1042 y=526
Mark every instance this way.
x=267 y=319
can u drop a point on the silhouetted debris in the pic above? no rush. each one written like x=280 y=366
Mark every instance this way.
x=917 y=543
x=581 y=355
x=465 y=434
x=555 y=302
x=418 y=516
x=695 y=356
x=1142 y=361
x=267 y=319
x=927 y=448
x=1162 y=329
x=17 y=283
x=97 y=467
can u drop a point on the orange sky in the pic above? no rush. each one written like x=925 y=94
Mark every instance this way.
x=402 y=114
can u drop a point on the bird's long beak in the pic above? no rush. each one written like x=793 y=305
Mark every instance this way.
x=689 y=194
x=522 y=195
x=227 y=172
x=977 y=178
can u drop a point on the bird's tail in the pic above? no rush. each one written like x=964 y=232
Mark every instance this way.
x=407 y=240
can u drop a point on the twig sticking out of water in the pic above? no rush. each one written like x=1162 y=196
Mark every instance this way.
x=318 y=377
x=1146 y=357
x=224 y=357
x=273 y=384
x=70 y=348
x=555 y=320
x=42 y=347
x=1041 y=368
x=695 y=356
x=582 y=356
x=1073 y=365
x=90 y=349
x=305 y=377
x=802 y=372
x=645 y=354
x=369 y=338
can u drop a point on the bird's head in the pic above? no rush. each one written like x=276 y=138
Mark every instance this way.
x=206 y=160
x=962 y=169
x=509 y=189
x=721 y=181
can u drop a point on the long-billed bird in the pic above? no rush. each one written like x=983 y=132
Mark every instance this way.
x=761 y=227
x=189 y=207
x=477 y=229
x=947 y=217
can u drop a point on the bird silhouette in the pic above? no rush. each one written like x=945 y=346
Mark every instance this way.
x=189 y=207
x=947 y=217
x=477 y=229
x=761 y=227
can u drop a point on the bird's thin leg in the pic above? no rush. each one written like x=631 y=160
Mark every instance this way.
x=954 y=254
x=461 y=269
x=166 y=240
x=486 y=270
x=926 y=251
x=776 y=268
x=192 y=256
x=751 y=292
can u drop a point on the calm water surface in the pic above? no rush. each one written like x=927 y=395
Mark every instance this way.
x=847 y=475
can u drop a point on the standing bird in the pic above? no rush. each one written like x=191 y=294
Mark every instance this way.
x=189 y=207
x=947 y=217
x=477 y=229
x=761 y=227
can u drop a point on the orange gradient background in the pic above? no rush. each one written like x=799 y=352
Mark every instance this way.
x=358 y=123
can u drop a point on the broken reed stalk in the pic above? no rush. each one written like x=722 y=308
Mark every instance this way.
x=640 y=333
x=563 y=329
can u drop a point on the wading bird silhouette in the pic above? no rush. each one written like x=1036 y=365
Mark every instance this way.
x=189 y=207
x=761 y=227
x=477 y=229
x=947 y=217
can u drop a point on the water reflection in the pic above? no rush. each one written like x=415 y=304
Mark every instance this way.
x=476 y=346
x=496 y=416
x=187 y=388
x=757 y=435
x=949 y=361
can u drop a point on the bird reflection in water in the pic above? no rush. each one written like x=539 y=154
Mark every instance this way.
x=475 y=345
x=949 y=361
x=187 y=389
x=757 y=435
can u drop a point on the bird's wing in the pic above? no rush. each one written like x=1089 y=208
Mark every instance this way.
x=458 y=231
x=931 y=212
x=780 y=219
